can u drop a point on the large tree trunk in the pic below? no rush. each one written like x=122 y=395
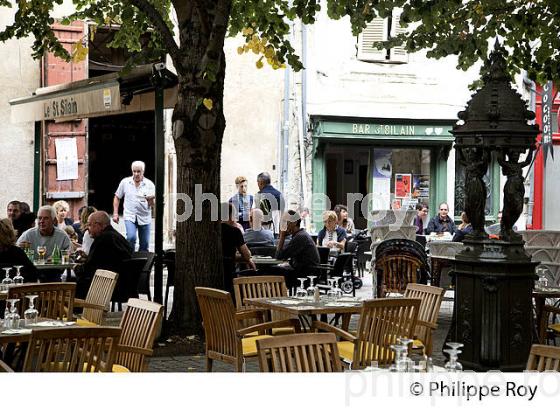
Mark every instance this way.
x=198 y=130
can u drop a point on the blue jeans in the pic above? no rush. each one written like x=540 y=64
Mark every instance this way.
x=143 y=232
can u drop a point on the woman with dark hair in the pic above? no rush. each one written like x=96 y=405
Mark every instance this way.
x=343 y=220
x=463 y=229
x=11 y=255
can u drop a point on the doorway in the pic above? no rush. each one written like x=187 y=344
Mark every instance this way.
x=114 y=143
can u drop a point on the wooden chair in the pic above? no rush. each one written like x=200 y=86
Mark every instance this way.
x=225 y=339
x=304 y=352
x=140 y=323
x=395 y=272
x=543 y=358
x=98 y=297
x=257 y=287
x=382 y=322
x=431 y=298
x=72 y=349
x=55 y=300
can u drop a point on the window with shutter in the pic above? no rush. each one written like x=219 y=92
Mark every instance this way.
x=380 y=29
x=375 y=31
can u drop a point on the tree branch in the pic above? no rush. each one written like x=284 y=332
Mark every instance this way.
x=157 y=20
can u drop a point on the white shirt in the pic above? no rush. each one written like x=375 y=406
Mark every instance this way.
x=87 y=241
x=135 y=205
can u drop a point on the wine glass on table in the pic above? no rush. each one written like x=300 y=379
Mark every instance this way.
x=311 y=288
x=11 y=320
x=338 y=291
x=31 y=314
x=300 y=291
x=7 y=281
x=41 y=253
x=18 y=279
x=331 y=294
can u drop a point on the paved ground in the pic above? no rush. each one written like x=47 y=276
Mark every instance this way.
x=196 y=363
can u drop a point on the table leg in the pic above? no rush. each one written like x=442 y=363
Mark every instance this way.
x=346 y=321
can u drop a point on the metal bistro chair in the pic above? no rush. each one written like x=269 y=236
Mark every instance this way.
x=127 y=283
x=146 y=273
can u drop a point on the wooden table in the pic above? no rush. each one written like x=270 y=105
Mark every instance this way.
x=308 y=310
x=266 y=261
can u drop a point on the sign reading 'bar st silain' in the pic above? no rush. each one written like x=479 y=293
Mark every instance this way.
x=547 y=121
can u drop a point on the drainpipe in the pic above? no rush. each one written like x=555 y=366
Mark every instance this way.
x=285 y=131
x=303 y=120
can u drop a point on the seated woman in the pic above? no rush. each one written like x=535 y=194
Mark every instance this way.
x=331 y=236
x=81 y=229
x=343 y=220
x=61 y=208
x=463 y=229
x=11 y=255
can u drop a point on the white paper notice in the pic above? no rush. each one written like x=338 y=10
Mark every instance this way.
x=381 y=193
x=66 y=159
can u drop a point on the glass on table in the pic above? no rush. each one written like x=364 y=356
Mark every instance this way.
x=453 y=364
x=338 y=291
x=64 y=257
x=18 y=279
x=31 y=314
x=11 y=320
x=41 y=254
x=400 y=364
x=300 y=291
x=7 y=281
x=331 y=294
x=311 y=288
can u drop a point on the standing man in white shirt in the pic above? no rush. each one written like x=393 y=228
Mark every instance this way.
x=139 y=195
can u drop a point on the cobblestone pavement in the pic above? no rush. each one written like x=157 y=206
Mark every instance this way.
x=197 y=363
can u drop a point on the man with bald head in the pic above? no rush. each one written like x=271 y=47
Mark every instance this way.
x=108 y=251
x=256 y=233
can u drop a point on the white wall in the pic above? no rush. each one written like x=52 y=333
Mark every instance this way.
x=20 y=75
x=253 y=104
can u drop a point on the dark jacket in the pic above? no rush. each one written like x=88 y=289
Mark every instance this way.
x=439 y=225
x=302 y=252
x=460 y=234
x=108 y=251
x=340 y=235
x=269 y=199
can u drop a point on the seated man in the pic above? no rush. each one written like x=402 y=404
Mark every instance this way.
x=108 y=251
x=442 y=222
x=301 y=251
x=256 y=233
x=233 y=242
x=45 y=234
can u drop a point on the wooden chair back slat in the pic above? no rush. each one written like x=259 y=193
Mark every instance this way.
x=382 y=322
x=544 y=358
x=72 y=349
x=431 y=298
x=55 y=300
x=100 y=293
x=305 y=352
x=140 y=324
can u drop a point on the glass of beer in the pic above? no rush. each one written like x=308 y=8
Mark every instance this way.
x=41 y=254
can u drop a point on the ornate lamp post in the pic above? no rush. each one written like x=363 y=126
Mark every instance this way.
x=494 y=278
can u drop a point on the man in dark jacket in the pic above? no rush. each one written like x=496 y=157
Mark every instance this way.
x=442 y=222
x=270 y=201
x=108 y=251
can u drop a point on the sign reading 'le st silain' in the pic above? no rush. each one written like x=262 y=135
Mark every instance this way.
x=62 y=107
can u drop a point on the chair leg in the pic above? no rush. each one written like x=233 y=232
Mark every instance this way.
x=209 y=364
x=239 y=365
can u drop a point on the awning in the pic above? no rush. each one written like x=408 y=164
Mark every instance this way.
x=109 y=94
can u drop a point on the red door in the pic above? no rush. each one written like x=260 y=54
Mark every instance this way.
x=57 y=71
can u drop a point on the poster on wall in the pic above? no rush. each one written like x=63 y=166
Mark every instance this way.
x=403 y=185
x=66 y=159
x=396 y=204
x=382 y=160
x=420 y=186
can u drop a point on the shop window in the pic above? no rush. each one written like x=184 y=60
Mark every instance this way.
x=382 y=29
x=401 y=177
x=460 y=189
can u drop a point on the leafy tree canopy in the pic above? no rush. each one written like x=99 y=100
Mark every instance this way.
x=444 y=27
